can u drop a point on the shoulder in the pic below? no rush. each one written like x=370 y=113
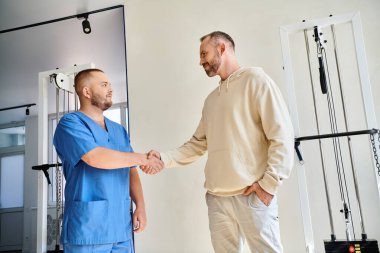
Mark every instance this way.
x=72 y=117
x=258 y=77
x=69 y=124
x=74 y=120
x=254 y=73
x=68 y=117
x=213 y=93
x=259 y=82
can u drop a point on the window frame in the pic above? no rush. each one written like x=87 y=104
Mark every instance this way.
x=11 y=151
x=18 y=151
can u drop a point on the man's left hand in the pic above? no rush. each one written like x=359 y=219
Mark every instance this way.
x=264 y=196
x=139 y=220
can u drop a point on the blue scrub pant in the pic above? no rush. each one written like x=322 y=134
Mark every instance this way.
x=120 y=247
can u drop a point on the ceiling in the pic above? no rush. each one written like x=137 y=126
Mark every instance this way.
x=24 y=53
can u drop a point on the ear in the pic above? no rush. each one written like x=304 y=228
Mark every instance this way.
x=86 y=92
x=222 y=48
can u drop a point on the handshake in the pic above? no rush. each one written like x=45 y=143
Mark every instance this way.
x=153 y=163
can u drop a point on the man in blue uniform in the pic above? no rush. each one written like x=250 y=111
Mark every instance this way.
x=99 y=166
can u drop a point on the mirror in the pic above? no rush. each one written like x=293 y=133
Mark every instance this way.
x=25 y=53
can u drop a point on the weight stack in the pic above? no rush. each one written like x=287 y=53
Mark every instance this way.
x=360 y=246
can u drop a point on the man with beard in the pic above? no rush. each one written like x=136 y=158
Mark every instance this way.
x=246 y=129
x=100 y=171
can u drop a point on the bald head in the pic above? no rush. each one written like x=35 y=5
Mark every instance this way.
x=82 y=79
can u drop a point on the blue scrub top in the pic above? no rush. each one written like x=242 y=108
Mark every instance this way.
x=97 y=201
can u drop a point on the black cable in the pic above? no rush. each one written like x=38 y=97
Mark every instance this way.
x=336 y=130
x=331 y=116
x=337 y=164
x=337 y=145
x=326 y=89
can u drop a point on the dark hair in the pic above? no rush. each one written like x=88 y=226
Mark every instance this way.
x=219 y=35
x=81 y=76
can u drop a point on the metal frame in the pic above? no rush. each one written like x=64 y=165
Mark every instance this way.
x=43 y=80
x=367 y=100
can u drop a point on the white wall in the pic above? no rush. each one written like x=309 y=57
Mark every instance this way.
x=167 y=88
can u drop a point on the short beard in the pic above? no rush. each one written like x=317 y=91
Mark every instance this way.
x=214 y=66
x=96 y=101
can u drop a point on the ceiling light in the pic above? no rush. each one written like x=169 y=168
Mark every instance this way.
x=85 y=23
x=86 y=26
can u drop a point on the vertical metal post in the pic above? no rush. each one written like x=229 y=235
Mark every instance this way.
x=353 y=166
x=57 y=197
x=42 y=159
x=333 y=237
x=300 y=168
x=369 y=108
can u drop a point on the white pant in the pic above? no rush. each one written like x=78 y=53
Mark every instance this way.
x=233 y=219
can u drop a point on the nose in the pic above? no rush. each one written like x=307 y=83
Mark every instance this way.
x=201 y=61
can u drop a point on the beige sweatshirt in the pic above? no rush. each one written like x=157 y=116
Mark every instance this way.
x=246 y=129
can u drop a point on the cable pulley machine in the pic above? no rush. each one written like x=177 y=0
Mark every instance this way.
x=339 y=134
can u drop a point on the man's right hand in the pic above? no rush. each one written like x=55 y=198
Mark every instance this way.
x=154 y=153
x=154 y=164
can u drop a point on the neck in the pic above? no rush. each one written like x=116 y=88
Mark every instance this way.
x=229 y=68
x=93 y=112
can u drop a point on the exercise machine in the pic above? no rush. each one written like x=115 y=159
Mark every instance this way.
x=333 y=131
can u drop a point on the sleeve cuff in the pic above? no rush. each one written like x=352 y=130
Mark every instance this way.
x=269 y=184
x=165 y=159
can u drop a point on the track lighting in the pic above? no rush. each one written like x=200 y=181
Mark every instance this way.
x=27 y=111
x=86 y=26
x=85 y=23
